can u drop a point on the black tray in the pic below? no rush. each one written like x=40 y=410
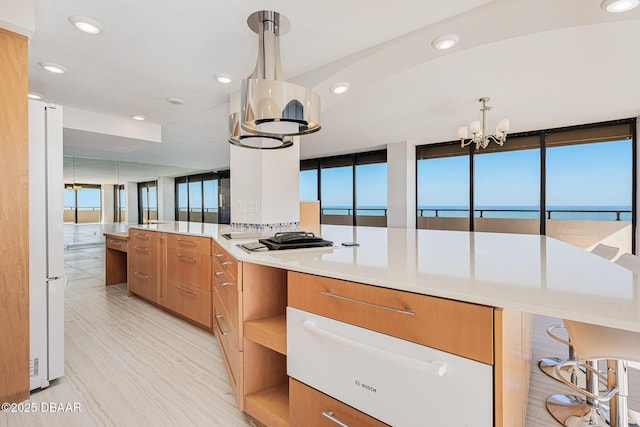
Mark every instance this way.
x=295 y=240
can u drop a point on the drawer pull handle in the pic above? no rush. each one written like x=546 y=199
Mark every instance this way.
x=186 y=242
x=436 y=367
x=219 y=273
x=223 y=284
x=141 y=236
x=219 y=258
x=186 y=259
x=143 y=250
x=140 y=275
x=115 y=242
x=397 y=310
x=220 y=316
x=331 y=416
x=186 y=291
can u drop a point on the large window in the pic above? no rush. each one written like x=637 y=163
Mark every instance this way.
x=576 y=184
x=443 y=187
x=309 y=185
x=336 y=194
x=82 y=203
x=119 y=206
x=352 y=188
x=203 y=198
x=147 y=201
x=507 y=187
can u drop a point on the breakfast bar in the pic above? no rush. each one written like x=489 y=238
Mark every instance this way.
x=454 y=307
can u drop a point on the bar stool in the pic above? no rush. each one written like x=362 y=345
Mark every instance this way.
x=594 y=342
x=548 y=364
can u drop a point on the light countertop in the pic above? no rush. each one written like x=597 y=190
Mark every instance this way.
x=532 y=273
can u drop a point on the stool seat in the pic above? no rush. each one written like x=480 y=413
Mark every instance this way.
x=593 y=342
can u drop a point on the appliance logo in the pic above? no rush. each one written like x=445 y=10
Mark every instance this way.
x=365 y=386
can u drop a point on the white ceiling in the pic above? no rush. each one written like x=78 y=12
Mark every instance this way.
x=544 y=63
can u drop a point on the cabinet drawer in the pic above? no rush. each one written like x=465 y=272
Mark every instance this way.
x=227 y=336
x=117 y=244
x=227 y=325
x=201 y=245
x=227 y=289
x=189 y=301
x=142 y=284
x=311 y=408
x=227 y=263
x=456 y=327
x=143 y=238
x=143 y=259
x=191 y=268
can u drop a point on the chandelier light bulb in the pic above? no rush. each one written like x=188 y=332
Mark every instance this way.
x=478 y=130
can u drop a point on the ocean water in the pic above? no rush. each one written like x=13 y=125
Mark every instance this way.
x=597 y=213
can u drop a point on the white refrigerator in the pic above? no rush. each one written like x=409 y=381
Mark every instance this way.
x=46 y=244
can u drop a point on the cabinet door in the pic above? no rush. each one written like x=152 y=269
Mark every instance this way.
x=144 y=262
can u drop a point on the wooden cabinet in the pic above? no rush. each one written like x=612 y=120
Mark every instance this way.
x=227 y=316
x=115 y=258
x=145 y=264
x=188 y=284
x=311 y=408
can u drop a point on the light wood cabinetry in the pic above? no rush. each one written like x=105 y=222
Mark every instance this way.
x=14 y=210
x=145 y=264
x=115 y=258
x=227 y=316
x=266 y=396
x=188 y=284
x=311 y=408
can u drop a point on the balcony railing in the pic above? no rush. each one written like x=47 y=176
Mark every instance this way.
x=560 y=214
x=359 y=211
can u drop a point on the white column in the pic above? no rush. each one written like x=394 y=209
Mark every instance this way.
x=166 y=198
x=401 y=184
x=107 y=203
x=131 y=195
x=265 y=185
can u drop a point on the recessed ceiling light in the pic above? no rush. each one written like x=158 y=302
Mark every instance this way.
x=223 y=78
x=175 y=101
x=35 y=95
x=53 y=68
x=618 y=6
x=138 y=117
x=445 y=42
x=86 y=25
x=340 y=88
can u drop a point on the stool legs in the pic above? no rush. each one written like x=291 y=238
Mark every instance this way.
x=618 y=376
x=564 y=406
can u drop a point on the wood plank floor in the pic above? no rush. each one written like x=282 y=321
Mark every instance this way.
x=129 y=363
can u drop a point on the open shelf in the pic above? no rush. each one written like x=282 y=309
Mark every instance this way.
x=270 y=332
x=270 y=407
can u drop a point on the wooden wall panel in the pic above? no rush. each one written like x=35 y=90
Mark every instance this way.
x=14 y=218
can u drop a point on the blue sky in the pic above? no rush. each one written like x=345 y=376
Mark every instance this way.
x=577 y=175
x=337 y=185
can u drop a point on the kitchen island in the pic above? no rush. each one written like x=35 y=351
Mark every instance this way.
x=511 y=274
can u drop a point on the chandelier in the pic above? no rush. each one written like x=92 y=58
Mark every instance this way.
x=478 y=129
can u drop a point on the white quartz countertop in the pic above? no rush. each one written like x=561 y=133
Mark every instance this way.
x=536 y=274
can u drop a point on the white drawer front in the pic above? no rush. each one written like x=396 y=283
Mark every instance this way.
x=399 y=382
